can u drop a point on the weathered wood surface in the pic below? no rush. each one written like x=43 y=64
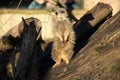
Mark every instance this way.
x=99 y=59
x=92 y=19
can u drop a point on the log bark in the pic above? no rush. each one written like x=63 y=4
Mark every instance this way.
x=92 y=20
x=99 y=59
x=27 y=63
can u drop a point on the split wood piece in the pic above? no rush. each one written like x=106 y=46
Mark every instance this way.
x=92 y=20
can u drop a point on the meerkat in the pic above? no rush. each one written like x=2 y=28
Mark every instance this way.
x=48 y=31
x=63 y=43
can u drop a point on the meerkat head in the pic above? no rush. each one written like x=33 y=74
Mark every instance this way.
x=61 y=13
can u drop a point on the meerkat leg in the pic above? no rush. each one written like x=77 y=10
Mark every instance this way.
x=65 y=59
x=56 y=57
x=57 y=63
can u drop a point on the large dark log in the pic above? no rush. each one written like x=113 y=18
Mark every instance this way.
x=27 y=63
x=98 y=60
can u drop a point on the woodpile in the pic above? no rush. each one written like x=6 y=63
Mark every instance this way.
x=96 y=51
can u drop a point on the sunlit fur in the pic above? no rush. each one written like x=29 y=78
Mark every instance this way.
x=48 y=31
x=63 y=43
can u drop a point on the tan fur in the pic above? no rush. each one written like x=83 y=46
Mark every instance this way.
x=63 y=43
x=48 y=31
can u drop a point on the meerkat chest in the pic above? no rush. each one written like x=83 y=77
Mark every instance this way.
x=48 y=30
x=62 y=32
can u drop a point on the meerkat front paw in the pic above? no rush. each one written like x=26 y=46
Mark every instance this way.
x=56 y=64
x=66 y=60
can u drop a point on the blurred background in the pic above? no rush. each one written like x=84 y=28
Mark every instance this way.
x=14 y=3
x=25 y=3
x=80 y=4
x=11 y=11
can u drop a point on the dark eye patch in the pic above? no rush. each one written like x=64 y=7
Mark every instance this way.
x=56 y=13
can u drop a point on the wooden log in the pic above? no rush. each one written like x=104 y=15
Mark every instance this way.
x=27 y=53
x=92 y=19
x=12 y=37
x=98 y=60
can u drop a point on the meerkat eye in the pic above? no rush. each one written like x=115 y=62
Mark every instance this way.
x=62 y=11
x=56 y=13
